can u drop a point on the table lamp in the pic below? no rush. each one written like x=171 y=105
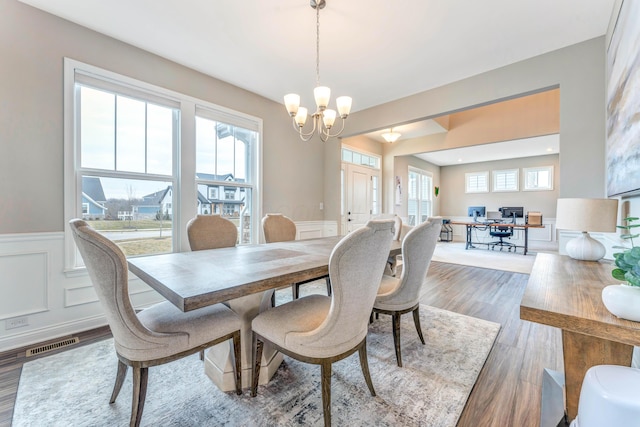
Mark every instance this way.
x=596 y=215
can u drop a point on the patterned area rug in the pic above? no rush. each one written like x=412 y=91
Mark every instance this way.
x=73 y=388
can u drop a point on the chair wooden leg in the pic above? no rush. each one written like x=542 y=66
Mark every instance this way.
x=237 y=360
x=328 y=280
x=295 y=290
x=201 y=354
x=257 y=357
x=140 y=377
x=364 y=364
x=396 y=337
x=325 y=373
x=122 y=372
x=273 y=299
x=416 y=320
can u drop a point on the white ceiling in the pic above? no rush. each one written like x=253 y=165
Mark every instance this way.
x=526 y=147
x=373 y=50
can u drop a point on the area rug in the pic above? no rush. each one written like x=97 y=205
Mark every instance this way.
x=73 y=388
x=455 y=253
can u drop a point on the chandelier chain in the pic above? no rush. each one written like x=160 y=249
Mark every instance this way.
x=318 y=45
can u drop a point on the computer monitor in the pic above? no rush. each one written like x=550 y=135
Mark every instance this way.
x=476 y=211
x=512 y=212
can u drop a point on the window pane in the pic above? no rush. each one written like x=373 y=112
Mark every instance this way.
x=357 y=158
x=97 y=128
x=130 y=135
x=205 y=146
x=160 y=122
x=135 y=214
x=347 y=156
x=225 y=151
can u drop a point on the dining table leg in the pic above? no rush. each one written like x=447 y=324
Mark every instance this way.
x=218 y=363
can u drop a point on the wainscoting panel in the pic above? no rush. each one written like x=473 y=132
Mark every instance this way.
x=315 y=229
x=24 y=284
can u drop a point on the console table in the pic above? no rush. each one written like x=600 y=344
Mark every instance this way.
x=566 y=293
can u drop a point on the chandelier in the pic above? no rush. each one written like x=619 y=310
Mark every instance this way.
x=324 y=118
x=391 y=136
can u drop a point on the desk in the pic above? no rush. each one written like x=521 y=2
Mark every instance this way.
x=566 y=293
x=239 y=275
x=471 y=225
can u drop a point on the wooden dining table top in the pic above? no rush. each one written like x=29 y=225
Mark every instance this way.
x=191 y=280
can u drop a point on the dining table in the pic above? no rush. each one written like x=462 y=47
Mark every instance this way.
x=243 y=277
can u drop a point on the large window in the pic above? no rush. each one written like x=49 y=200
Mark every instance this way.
x=420 y=205
x=135 y=179
x=223 y=170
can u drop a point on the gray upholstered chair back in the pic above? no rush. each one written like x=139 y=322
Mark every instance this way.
x=355 y=268
x=211 y=232
x=397 y=227
x=278 y=228
x=107 y=267
x=417 y=250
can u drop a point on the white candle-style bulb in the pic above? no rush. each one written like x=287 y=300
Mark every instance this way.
x=322 y=94
x=344 y=106
x=292 y=102
x=329 y=117
x=301 y=116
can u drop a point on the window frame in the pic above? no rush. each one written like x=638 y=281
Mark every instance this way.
x=494 y=180
x=469 y=175
x=526 y=171
x=184 y=184
x=430 y=197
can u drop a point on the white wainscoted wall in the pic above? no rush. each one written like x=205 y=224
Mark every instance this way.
x=39 y=301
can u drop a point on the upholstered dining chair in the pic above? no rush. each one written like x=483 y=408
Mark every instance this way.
x=279 y=228
x=211 y=232
x=156 y=335
x=320 y=329
x=398 y=296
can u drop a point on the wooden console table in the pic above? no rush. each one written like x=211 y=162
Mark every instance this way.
x=566 y=293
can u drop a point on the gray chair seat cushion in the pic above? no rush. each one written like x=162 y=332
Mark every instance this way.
x=298 y=316
x=198 y=326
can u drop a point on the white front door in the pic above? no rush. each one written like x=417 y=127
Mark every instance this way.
x=359 y=186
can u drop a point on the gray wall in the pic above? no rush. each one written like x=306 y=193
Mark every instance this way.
x=401 y=166
x=577 y=70
x=454 y=201
x=32 y=47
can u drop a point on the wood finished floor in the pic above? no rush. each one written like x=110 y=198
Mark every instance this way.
x=508 y=389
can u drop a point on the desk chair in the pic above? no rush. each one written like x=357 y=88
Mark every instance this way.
x=502 y=232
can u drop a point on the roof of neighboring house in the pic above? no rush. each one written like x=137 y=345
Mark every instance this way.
x=154 y=198
x=211 y=177
x=92 y=187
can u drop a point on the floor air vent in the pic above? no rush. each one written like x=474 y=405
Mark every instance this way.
x=52 y=346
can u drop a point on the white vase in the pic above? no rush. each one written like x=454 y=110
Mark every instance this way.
x=623 y=301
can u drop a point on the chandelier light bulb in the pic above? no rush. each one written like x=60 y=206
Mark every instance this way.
x=344 y=106
x=322 y=94
x=329 y=117
x=301 y=117
x=292 y=102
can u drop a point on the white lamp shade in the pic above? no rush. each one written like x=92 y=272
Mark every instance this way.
x=292 y=102
x=322 y=94
x=329 y=117
x=344 y=106
x=301 y=116
x=599 y=215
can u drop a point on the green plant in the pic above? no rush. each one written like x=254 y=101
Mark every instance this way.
x=628 y=261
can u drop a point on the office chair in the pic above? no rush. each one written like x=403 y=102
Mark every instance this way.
x=502 y=232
